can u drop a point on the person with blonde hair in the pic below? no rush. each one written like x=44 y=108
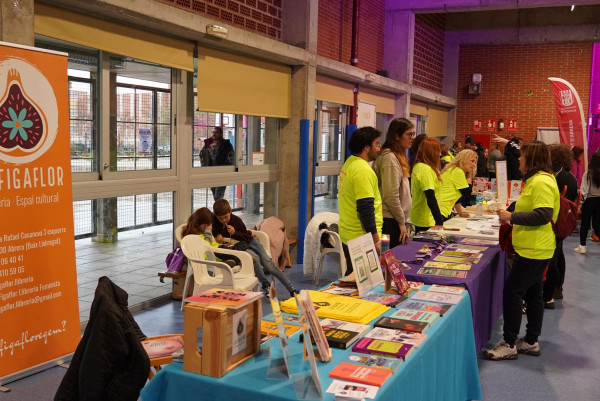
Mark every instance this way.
x=425 y=186
x=391 y=168
x=457 y=182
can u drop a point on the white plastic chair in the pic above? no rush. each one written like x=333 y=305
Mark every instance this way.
x=337 y=252
x=201 y=261
x=264 y=240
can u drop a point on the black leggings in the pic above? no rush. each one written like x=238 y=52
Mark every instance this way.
x=590 y=208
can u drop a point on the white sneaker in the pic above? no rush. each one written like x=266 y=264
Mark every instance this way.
x=580 y=249
x=502 y=351
x=523 y=347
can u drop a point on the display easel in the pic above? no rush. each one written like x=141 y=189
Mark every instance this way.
x=278 y=366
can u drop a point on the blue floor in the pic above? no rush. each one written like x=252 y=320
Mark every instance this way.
x=568 y=369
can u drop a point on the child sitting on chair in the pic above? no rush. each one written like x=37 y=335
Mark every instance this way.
x=200 y=223
x=228 y=225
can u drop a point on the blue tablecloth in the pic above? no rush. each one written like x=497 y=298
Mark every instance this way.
x=444 y=367
x=485 y=283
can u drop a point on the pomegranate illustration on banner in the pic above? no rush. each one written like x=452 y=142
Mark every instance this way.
x=28 y=112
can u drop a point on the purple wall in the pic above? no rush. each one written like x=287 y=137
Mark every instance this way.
x=593 y=135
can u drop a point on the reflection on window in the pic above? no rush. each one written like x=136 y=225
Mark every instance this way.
x=419 y=122
x=143 y=109
x=259 y=135
x=326 y=186
x=331 y=122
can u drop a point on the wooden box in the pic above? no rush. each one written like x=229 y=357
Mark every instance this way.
x=223 y=346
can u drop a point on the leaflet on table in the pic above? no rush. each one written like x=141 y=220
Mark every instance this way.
x=454 y=259
x=315 y=328
x=445 y=265
x=415 y=315
x=477 y=241
x=365 y=261
x=384 y=299
x=437 y=297
x=447 y=289
x=458 y=254
x=442 y=272
x=466 y=248
x=334 y=289
x=340 y=385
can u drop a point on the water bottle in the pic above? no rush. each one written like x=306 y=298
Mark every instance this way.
x=479 y=206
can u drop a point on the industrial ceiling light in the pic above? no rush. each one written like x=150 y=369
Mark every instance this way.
x=572 y=7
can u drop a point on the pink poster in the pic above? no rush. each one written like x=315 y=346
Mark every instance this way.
x=571 y=122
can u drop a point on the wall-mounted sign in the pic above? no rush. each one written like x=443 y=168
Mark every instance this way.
x=491 y=125
x=512 y=125
x=477 y=125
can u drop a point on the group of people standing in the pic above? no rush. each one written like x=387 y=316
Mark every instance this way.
x=397 y=189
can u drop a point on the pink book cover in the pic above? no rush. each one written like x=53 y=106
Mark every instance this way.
x=389 y=260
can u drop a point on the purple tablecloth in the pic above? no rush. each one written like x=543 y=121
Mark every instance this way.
x=485 y=282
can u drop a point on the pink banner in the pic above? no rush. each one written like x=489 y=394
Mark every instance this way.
x=571 y=121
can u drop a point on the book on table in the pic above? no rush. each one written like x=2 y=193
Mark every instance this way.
x=446 y=289
x=394 y=349
x=431 y=296
x=384 y=299
x=466 y=248
x=381 y=333
x=360 y=374
x=424 y=306
x=455 y=259
x=374 y=361
x=268 y=328
x=460 y=254
x=395 y=270
x=228 y=298
x=361 y=329
x=338 y=338
x=446 y=265
x=416 y=285
x=401 y=324
x=163 y=346
x=415 y=315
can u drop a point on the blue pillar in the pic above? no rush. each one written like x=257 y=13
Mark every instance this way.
x=303 y=185
x=349 y=130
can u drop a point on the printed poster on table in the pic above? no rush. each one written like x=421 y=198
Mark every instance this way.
x=39 y=312
x=366 y=264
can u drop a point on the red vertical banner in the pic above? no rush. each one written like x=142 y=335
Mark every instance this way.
x=569 y=112
x=512 y=125
x=39 y=312
x=491 y=125
x=477 y=125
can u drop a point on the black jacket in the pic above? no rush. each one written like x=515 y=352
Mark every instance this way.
x=110 y=362
x=512 y=152
x=564 y=177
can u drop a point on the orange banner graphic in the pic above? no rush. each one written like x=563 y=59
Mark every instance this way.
x=39 y=313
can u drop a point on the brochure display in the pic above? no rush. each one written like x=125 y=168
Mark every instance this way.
x=308 y=386
x=278 y=365
x=39 y=312
x=365 y=261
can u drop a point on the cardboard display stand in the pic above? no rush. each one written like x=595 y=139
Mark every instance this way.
x=229 y=337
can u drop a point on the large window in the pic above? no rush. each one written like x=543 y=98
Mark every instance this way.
x=83 y=85
x=143 y=103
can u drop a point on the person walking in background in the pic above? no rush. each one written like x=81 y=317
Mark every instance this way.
x=495 y=155
x=391 y=168
x=425 y=186
x=577 y=167
x=359 y=199
x=561 y=157
x=534 y=242
x=590 y=194
x=457 y=182
x=217 y=151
